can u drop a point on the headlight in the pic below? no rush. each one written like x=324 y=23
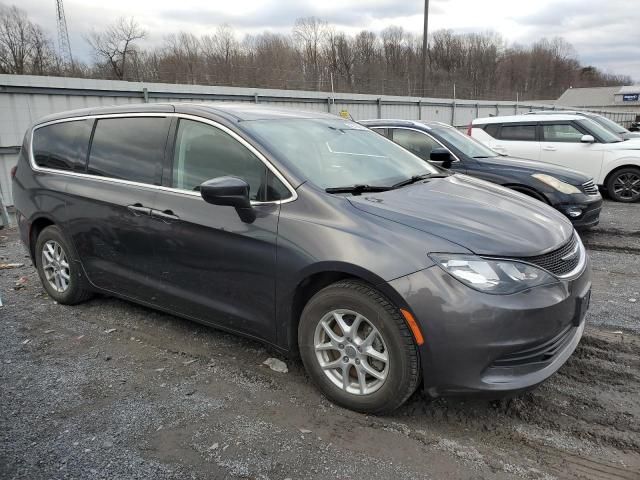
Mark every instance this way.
x=501 y=277
x=556 y=184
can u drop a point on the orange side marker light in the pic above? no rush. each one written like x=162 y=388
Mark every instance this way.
x=413 y=325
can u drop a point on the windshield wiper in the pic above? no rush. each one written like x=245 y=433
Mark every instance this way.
x=482 y=156
x=417 y=178
x=357 y=189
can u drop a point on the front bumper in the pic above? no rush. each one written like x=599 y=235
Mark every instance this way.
x=589 y=205
x=476 y=342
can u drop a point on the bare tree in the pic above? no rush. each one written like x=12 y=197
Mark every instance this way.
x=480 y=65
x=113 y=45
x=16 y=40
x=310 y=32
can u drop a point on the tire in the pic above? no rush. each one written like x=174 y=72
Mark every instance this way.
x=381 y=328
x=627 y=182
x=69 y=291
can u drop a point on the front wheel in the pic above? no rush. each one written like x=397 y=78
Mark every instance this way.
x=357 y=348
x=624 y=185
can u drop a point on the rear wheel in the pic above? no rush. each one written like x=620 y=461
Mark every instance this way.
x=357 y=348
x=624 y=185
x=61 y=276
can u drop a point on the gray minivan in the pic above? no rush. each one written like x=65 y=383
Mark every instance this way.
x=310 y=233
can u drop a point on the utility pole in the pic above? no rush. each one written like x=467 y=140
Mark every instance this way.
x=425 y=33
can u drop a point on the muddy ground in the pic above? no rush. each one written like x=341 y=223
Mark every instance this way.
x=160 y=397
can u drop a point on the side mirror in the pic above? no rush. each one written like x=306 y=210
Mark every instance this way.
x=229 y=191
x=587 y=139
x=441 y=155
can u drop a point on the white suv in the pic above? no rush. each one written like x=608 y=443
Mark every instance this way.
x=571 y=141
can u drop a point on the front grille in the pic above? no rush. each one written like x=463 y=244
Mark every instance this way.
x=590 y=188
x=544 y=352
x=553 y=261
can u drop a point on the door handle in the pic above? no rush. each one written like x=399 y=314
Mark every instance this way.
x=138 y=209
x=549 y=149
x=166 y=216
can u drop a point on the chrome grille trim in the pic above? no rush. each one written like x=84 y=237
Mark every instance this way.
x=564 y=262
x=590 y=188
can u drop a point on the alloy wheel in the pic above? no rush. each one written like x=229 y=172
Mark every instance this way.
x=627 y=185
x=56 y=266
x=351 y=352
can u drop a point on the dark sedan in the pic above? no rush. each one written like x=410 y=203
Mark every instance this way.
x=571 y=192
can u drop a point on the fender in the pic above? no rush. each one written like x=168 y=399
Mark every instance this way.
x=609 y=165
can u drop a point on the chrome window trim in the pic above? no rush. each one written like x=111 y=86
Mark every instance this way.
x=456 y=159
x=213 y=123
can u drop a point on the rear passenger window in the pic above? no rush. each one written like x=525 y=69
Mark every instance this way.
x=518 y=132
x=203 y=152
x=62 y=146
x=129 y=148
x=561 y=133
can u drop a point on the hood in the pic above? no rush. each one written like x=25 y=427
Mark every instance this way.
x=630 y=135
x=631 y=144
x=520 y=165
x=480 y=216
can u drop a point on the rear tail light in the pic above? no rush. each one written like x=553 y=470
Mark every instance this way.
x=13 y=170
x=469 y=129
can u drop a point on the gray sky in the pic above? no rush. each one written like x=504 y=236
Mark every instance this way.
x=605 y=33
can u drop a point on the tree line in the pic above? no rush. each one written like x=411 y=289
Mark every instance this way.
x=314 y=56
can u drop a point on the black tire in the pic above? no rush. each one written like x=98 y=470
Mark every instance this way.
x=627 y=196
x=403 y=371
x=78 y=289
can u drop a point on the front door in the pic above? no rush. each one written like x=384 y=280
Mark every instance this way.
x=212 y=266
x=561 y=145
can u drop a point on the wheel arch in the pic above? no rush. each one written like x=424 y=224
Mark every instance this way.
x=320 y=276
x=35 y=228
x=618 y=168
x=526 y=190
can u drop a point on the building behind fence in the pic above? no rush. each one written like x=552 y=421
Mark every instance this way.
x=25 y=98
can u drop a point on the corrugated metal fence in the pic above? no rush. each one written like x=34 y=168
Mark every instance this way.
x=24 y=99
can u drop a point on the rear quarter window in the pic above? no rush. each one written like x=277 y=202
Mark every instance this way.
x=129 y=148
x=62 y=146
x=492 y=129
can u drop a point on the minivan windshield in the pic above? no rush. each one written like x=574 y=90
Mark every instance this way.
x=338 y=153
x=594 y=127
x=467 y=145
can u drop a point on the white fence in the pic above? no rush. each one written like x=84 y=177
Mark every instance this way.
x=24 y=99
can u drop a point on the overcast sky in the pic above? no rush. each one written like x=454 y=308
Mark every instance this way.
x=605 y=33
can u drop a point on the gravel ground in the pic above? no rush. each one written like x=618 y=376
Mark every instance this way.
x=108 y=389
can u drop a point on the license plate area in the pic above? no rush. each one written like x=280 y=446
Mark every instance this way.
x=582 y=305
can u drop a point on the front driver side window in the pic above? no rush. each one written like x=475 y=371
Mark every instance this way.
x=203 y=152
x=561 y=133
x=417 y=143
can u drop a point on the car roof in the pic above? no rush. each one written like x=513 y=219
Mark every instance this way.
x=563 y=112
x=379 y=122
x=526 y=118
x=231 y=111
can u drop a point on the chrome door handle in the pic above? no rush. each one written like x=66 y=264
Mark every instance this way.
x=164 y=215
x=549 y=149
x=138 y=209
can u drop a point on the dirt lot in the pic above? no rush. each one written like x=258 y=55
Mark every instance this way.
x=109 y=389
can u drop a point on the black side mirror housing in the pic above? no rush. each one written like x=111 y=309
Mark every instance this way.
x=231 y=192
x=441 y=155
